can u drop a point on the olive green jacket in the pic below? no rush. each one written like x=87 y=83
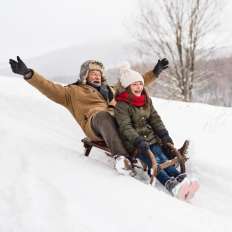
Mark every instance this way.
x=137 y=121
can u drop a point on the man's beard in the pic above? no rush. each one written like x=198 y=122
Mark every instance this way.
x=95 y=83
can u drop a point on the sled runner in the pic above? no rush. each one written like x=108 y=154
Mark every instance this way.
x=88 y=144
x=179 y=155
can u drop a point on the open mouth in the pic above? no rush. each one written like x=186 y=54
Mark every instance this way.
x=96 y=82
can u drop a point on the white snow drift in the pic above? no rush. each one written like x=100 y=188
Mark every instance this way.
x=47 y=184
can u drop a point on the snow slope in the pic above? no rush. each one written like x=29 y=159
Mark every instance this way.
x=46 y=183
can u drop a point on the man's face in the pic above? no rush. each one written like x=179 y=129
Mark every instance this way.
x=94 y=77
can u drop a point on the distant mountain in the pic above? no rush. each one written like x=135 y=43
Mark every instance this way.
x=64 y=64
x=222 y=52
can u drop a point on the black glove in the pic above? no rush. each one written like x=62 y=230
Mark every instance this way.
x=160 y=66
x=168 y=151
x=164 y=136
x=20 y=68
x=167 y=139
x=141 y=144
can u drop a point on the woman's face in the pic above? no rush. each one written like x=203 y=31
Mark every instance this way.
x=136 y=88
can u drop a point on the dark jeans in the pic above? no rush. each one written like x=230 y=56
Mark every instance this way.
x=104 y=125
x=163 y=175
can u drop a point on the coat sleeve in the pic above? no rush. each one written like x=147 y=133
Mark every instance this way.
x=149 y=77
x=155 y=120
x=124 y=122
x=53 y=91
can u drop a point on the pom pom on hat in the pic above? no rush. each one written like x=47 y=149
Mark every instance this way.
x=124 y=67
x=129 y=76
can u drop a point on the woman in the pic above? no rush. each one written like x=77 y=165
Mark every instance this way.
x=142 y=129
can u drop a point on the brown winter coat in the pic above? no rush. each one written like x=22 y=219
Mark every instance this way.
x=83 y=101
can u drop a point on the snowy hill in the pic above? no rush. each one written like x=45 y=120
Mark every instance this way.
x=46 y=183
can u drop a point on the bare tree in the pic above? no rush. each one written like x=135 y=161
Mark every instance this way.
x=219 y=89
x=178 y=30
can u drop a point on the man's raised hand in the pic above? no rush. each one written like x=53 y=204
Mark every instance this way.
x=160 y=66
x=20 y=68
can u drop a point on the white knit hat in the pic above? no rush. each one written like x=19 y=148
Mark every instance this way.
x=129 y=76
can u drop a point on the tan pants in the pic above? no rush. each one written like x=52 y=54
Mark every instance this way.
x=104 y=125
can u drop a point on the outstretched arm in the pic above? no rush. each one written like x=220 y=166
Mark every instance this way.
x=53 y=91
x=150 y=76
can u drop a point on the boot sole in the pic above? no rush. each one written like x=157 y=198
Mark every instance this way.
x=194 y=186
x=183 y=191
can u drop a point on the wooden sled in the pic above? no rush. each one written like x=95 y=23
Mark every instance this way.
x=179 y=155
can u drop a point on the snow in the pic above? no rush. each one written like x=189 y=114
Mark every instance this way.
x=47 y=184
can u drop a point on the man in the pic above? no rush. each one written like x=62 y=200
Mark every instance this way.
x=90 y=100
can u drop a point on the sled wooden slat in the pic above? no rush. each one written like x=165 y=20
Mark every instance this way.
x=88 y=144
x=179 y=159
x=169 y=163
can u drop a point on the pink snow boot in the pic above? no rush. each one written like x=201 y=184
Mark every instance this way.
x=178 y=190
x=193 y=185
x=193 y=188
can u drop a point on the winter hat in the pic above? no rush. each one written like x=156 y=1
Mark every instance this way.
x=129 y=76
x=88 y=66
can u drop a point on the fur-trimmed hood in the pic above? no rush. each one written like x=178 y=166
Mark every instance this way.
x=88 y=66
